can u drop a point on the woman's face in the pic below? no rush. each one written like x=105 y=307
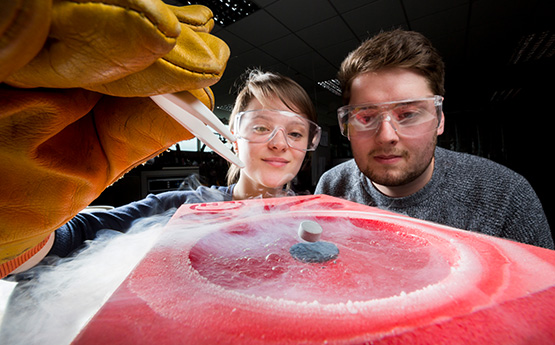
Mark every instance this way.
x=268 y=165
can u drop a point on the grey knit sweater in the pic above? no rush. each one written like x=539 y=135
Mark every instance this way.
x=465 y=192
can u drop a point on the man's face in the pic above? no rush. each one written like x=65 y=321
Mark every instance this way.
x=385 y=156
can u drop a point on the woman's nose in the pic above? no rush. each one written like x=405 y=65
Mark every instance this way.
x=279 y=140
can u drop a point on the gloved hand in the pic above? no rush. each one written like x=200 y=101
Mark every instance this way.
x=63 y=140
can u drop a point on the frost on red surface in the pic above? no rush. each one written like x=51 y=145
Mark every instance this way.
x=222 y=274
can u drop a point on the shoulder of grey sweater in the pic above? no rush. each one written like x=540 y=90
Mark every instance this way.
x=468 y=167
x=473 y=179
x=338 y=177
x=342 y=170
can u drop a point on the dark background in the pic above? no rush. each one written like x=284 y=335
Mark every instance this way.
x=499 y=74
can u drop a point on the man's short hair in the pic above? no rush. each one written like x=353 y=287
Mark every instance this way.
x=394 y=49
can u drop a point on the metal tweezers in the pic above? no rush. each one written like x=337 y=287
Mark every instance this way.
x=195 y=116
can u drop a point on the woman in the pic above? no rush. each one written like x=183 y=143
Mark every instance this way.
x=274 y=121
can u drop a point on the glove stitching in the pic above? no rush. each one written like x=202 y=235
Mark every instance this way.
x=213 y=74
x=202 y=25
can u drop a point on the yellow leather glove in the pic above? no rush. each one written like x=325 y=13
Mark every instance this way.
x=63 y=140
x=23 y=30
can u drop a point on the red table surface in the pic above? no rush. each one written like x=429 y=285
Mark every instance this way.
x=221 y=274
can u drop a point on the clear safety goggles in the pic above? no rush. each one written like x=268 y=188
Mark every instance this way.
x=261 y=126
x=409 y=118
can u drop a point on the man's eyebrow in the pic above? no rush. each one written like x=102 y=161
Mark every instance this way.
x=411 y=102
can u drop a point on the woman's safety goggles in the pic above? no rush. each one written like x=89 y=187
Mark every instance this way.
x=261 y=126
x=409 y=118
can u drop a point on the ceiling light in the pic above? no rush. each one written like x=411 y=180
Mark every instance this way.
x=534 y=46
x=505 y=95
x=331 y=85
x=225 y=11
x=225 y=107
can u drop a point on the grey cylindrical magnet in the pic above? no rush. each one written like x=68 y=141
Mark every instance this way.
x=310 y=231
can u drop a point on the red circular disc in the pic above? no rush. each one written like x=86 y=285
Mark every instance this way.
x=240 y=276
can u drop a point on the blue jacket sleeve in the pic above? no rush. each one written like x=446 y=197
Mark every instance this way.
x=85 y=226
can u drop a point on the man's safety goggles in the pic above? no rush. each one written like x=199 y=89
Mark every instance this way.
x=409 y=118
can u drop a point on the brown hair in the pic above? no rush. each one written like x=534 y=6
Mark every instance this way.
x=394 y=49
x=264 y=86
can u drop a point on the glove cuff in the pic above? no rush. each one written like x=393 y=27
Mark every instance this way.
x=24 y=254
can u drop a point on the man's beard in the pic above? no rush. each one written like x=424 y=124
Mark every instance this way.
x=399 y=178
x=395 y=179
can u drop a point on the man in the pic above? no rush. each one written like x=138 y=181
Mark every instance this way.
x=392 y=86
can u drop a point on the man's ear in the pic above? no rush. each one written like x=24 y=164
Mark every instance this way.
x=441 y=126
